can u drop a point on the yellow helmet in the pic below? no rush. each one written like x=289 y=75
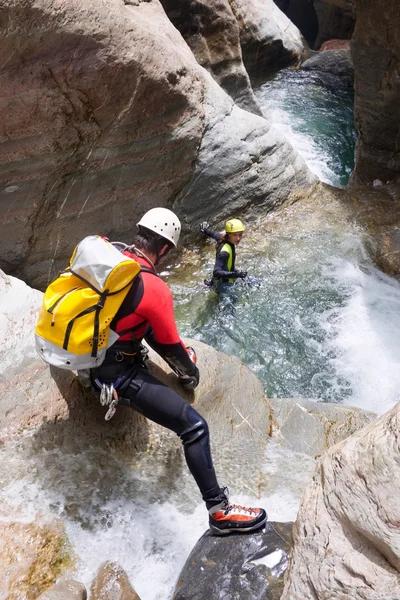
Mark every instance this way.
x=234 y=225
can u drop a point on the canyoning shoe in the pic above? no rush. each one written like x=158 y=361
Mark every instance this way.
x=232 y=518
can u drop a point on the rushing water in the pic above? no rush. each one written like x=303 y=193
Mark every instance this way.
x=322 y=323
x=316 y=118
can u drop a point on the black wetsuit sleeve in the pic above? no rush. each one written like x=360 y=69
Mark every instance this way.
x=172 y=353
x=213 y=234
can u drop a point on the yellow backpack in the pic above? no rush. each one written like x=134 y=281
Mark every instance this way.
x=73 y=329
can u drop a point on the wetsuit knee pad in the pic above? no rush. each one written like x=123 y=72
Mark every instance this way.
x=195 y=427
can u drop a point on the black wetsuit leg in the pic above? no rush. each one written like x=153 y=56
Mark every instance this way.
x=151 y=398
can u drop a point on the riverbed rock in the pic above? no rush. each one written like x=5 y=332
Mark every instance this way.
x=269 y=40
x=311 y=427
x=336 y=19
x=105 y=114
x=112 y=583
x=43 y=554
x=249 y=567
x=347 y=532
x=375 y=50
x=334 y=67
x=65 y=590
x=212 y=33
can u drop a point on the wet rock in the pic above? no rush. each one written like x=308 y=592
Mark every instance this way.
x=333 y=66
x=105 y=113
x=336 y=19
x=112 y=583
x=347 y=532
x=377 y=210
x=269 y=40
x=65 y=590
x=311 y=427
x=245 y=567
x=375 y=50
x=32 y=557
x=52 y=402
x=212 y=33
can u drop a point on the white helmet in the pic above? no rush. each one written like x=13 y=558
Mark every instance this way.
x=164 y=222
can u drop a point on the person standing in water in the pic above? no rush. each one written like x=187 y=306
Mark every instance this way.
x=224 y=272
x=147 y=313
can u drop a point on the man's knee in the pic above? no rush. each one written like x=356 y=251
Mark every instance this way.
x=195 y=428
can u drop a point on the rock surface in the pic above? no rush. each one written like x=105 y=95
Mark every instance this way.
x=112 y=583
x=65 y=590
x=336 y=19
x=212 y=33
x=347 y=533
x=375 y=50
x=269 y=40
x=249 y=567
x=32 y=557
x=332 y=65
x=105 y=113
x=52 y=402
x=311 y=427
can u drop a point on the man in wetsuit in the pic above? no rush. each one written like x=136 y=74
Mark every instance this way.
x=147 y=313
x=224 y=273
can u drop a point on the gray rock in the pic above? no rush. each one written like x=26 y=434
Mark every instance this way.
x=335 y=67
x=375 y=49
x=269 y=40
x=65 y=590
x=238 y=567
x=311 y=427
x=105 y=114
x=347 y=532
x=336 y=19
x=212 y=33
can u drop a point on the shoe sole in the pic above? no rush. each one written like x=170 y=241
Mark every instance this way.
x=227 y=531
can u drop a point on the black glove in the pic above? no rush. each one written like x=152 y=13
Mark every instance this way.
x=203 y=226
x=189 y=382
x=241 y=274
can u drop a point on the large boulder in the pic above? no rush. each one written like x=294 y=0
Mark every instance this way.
x=334 y=67
x=269 y=40
x=249 y=567
x=347 y=532
x=375 y=50
x=105 y=113
x=65 y=590
x=53 y=404
x=311 y=427
x=336 y=19
x=212 y=33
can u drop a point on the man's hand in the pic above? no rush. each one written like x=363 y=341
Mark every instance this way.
x=203 y=226
x=241 y=274
x=190 y=382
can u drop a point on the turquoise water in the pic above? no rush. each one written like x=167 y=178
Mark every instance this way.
x=322 y=324
x=316 y=118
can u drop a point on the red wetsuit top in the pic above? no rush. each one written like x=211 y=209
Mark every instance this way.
x=149 y=309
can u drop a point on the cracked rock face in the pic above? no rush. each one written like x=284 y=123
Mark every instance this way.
x=105 y=113
x=212 y=33
x=347 y=533
x=375 y=51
